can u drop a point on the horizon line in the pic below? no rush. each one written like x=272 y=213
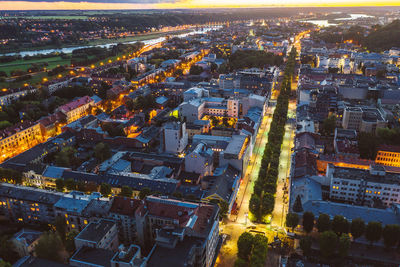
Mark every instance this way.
x=93 y=6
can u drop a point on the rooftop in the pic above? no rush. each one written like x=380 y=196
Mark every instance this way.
x=350 y=212
x=375 y=175
x=95 y=231
x=125 y=206
x=75 y=104
x=93 y=256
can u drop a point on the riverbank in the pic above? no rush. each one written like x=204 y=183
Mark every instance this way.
x=99 y=42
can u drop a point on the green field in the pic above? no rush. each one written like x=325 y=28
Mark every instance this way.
x=26 y=64
x=47 y=17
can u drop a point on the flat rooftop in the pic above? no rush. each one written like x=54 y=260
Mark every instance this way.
x=95 y=231
x=359 y=174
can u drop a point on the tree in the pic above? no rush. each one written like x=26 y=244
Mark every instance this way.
x=225 y=121
x=7 y=249
x=5 y=264
x=70 y=184
x=373 y=232
x=344 y=245
x=391 y=235
x=105 y=189
x=126 y=191
x=11 y=176
x=327 y=244
x=329 y=125
x=292 y=220
x=323 y=223
x=308 y=221
x=255 y=205
x=144 y=192
x=245 y=245
x=61 y=227
x=60 y=185
x=357 y=228
x=268 y=203
x=259 y=252
x=102 y=152
x=49 y=247
x=367 y=145
x=298 y=206
x=241 y=263
x=305 y=245
x=195 y=70
x=70 y=241
x=223 y=208
x=340 y=225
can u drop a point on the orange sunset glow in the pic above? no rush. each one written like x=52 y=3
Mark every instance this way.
x=63 y=5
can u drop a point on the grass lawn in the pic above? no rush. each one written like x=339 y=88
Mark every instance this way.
x=48 y=17
x=26 y=64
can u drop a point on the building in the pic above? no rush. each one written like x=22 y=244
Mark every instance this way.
x=25 y=240
x=200 y=160
x=184 y=233
x=237 y=153
x=388 y=155
x=76 y=109
x=71 y=207
x=123 y=212
x=372 y=187
x=363 y=119
x=27 y=204
x=175 y=137
x=102 y=234
x=128 y=257
x=18 y=138
x=7 y=96
x=222 y=186
x=91 y=257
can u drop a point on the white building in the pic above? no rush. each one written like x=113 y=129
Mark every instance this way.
x=100 y=234
x=364 y=187
x=175 y=137
x=200 y=160
x=7 y=96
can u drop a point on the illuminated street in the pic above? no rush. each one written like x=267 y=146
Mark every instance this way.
x=281 y=199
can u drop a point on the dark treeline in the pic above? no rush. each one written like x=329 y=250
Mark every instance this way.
x=378 y=39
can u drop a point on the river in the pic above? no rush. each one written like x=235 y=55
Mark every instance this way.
x=326 y=23
x=68 y=50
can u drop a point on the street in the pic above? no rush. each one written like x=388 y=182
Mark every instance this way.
x=235 y=225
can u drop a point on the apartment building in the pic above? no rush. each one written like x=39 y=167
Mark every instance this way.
x=364 y=187
x=7 y=96
x=18 y=138
x=173 y=224
x=102 y=234
x=123 y=212
x=27 y=204
x=363 y=119
x=388 y=155
x=76 y=109
x=175 y=137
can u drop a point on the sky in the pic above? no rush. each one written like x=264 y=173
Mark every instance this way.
x=169 y=4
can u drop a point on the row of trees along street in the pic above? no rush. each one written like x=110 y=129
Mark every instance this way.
x=262 y=200
x=333 y=236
